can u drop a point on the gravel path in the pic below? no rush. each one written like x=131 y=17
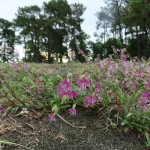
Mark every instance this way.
x=41 y=134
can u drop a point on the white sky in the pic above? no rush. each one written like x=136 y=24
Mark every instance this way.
x=8 y=8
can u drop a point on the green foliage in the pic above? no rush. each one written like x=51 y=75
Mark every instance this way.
x=97 y=48
x=111 y=42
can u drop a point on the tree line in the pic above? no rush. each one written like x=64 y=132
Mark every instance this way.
x=125 y=24
x=56 y=27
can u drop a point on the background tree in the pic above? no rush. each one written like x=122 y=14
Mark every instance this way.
x=7 y=40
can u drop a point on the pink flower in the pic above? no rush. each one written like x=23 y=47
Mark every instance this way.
x=83 y=82
x=42 y=87
x=66 y=64
x=69 y=93
x=97 y=89
x=73 y=111
x=127 y=85
x=147 y=85
x=134 y=85
x=10 y=63
x=108 y=73
x=145 y=94
x=39 y=81
x=29 y=89
x=16 y=55
x=14 y=63
x=52 y=117
x=90 y=100
x=80 y=51
x=66 y=84
x=19 y=68
x=99 y=97
x=4 y=110
x=26 y=65
x=15 y=66
x=60 y=90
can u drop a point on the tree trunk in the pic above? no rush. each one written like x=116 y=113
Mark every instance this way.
x=138 y=46
x=25 y=48
x=146 y=52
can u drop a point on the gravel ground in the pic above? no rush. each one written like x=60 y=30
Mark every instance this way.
x=41 y=134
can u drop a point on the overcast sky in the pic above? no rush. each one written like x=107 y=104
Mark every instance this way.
x=8 y=8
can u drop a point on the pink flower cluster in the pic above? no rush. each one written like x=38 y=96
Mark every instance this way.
x=90 y=99
x=80 y=51
x=145 y=97
x=39 y=82
x=65 y=89
x=83 y=82
x=14 y=64
x=52 y=117
x=73 y=111
x=16 y=55
x=3 y=109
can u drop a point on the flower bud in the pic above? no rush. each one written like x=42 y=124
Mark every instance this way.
x=69 y=76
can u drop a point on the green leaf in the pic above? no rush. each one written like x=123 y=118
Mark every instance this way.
x=126 y=112
x=65 y=106
x=126 y=129
x=139 y=129
x=132 y=97
x=119 y=118
x=129 y=114
x=123 y=123
x=9 y=108
x=147 y=136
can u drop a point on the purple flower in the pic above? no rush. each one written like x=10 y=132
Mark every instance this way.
x=66 y=84
x=52 y=117
x=29 y=89
x=80 y=51
x=134 y=85
x=16 y=55
x=19 y=68
x=14 y=63
x=145 y=94
x=66 y=64
x=39 y=81
x=10 y=63
x=42 y=87
x=15 y=66
x=99 y=97
x=2 y=48
x=69 y=93
x=108 y=73
x=97 y=89
x=4 y=110
x=83 y=82
x=26 y=65
x=60 y=90
x=147 y=85
x=90 y=100
x=127 y=85
x=73 y=111
x=75 y=94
